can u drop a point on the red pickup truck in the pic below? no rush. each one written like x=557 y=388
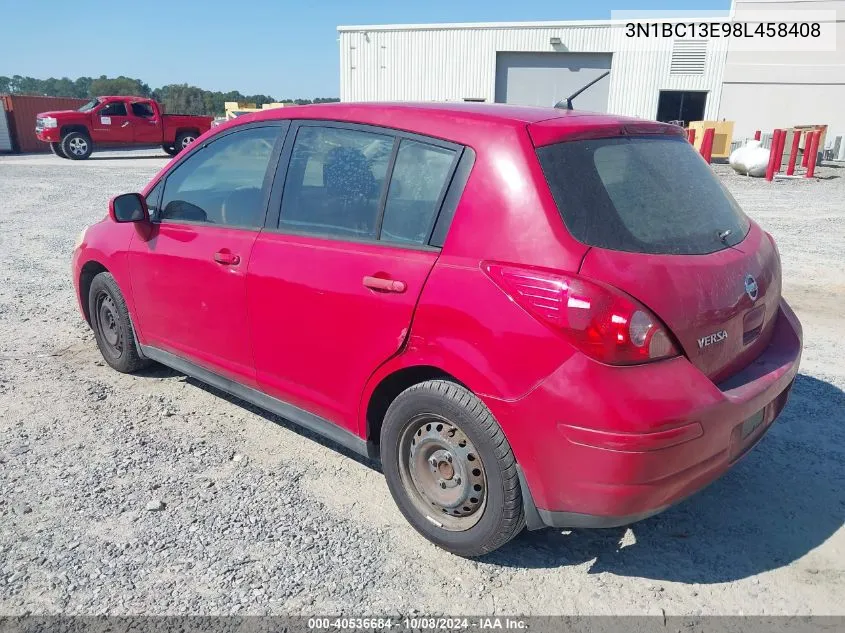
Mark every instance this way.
x=116 y=121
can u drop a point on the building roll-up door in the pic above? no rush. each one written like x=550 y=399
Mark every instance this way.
x=543 y=79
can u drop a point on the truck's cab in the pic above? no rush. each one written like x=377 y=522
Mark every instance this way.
x=117 y=121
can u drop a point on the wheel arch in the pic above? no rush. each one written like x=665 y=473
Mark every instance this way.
x=89 y=270
x=182 y=130
x=76 y=127
x=390 y=386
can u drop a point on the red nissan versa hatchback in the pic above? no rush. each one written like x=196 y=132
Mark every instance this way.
x=531 y=316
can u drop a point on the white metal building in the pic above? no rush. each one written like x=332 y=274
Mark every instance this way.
x=539 y=63
x=780 y=88
x=535 y=63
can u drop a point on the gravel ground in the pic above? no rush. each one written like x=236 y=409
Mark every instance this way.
x=151 y=494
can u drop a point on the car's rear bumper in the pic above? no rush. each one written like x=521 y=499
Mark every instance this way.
x=605 y=446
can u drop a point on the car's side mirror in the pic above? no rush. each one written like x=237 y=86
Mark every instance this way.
x=129 y=207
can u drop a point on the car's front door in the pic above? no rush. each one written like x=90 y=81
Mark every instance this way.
x=146 y=124
x=188 y=274
x=111 y=124
x=333 y=284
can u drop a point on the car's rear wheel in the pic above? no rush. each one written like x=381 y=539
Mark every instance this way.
x=77 y=146
x=56 y=148
x=183 y=139
x=112 y=325
x=170 y=149
x=450 y=468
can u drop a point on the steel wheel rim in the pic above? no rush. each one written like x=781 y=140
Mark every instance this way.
x=442 y=473
x=78 y=146
x=109 y=325
x=187 y=141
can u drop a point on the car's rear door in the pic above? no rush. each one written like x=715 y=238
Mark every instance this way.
x=188 y=271
x=334 y=279
x=663 y=229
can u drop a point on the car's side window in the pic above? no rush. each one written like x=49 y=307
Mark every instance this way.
x=420 y=176
x=144 y=110
x=115 y=108
x=222 y=182
x=335 y=181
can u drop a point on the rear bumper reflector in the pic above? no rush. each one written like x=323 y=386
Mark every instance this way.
x=631 y=442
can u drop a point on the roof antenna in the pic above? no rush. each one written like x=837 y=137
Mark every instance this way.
x=566 y=104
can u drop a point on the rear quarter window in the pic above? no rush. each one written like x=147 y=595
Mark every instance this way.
x=641 y=194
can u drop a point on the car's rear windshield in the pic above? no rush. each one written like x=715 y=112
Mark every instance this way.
x=642 y=195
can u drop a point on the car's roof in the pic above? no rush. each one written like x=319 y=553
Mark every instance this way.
x=462 y=122
x=461 y=110
x=123 y=97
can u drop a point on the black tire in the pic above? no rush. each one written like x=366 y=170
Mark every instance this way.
x=112 y=325
x=77 y=146
x=183 y=140
x=419 y=423
x=169 y=149
x=56 y=148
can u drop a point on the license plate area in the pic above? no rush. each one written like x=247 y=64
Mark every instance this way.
x=752 y=424
x=746 y=434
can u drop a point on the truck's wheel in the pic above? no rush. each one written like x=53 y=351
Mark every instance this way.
x=450 y=468
x=170 y=149
x=56 y=148
x=183 y=139
x=77 y=146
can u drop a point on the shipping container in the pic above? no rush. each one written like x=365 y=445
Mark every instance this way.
x=21 y=111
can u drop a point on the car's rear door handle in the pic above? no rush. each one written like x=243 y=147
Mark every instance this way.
x=227 y=259
x=385 y=285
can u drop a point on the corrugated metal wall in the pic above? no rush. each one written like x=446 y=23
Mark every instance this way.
x=457 y=62
x=21 y=111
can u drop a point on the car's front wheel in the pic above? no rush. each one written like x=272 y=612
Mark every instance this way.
x=77 y=146
x=170 y=150
x=112 y=325
x=450 y=468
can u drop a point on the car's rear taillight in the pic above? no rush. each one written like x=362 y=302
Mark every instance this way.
x=603 y=322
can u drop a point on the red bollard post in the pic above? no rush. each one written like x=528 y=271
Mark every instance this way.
x=757 y=135
x=691 y=136
x=814 y=150
x=806 y=155
x=707 y=144
x=793 y=154
x=779 y=155
x=770 y=168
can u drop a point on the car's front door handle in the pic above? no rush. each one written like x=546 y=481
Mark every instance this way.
x=385 y=285
x=125 y=124
x=227 y=259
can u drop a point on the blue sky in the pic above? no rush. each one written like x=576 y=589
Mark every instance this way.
x=283 y=48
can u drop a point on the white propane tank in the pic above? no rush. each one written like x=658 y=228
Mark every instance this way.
x=750 y=159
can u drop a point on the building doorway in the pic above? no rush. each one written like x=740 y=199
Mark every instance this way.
x=681 y=106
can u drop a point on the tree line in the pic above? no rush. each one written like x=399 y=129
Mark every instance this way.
x=175 y=98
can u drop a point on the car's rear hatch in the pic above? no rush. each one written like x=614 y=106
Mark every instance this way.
x=663 y=229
